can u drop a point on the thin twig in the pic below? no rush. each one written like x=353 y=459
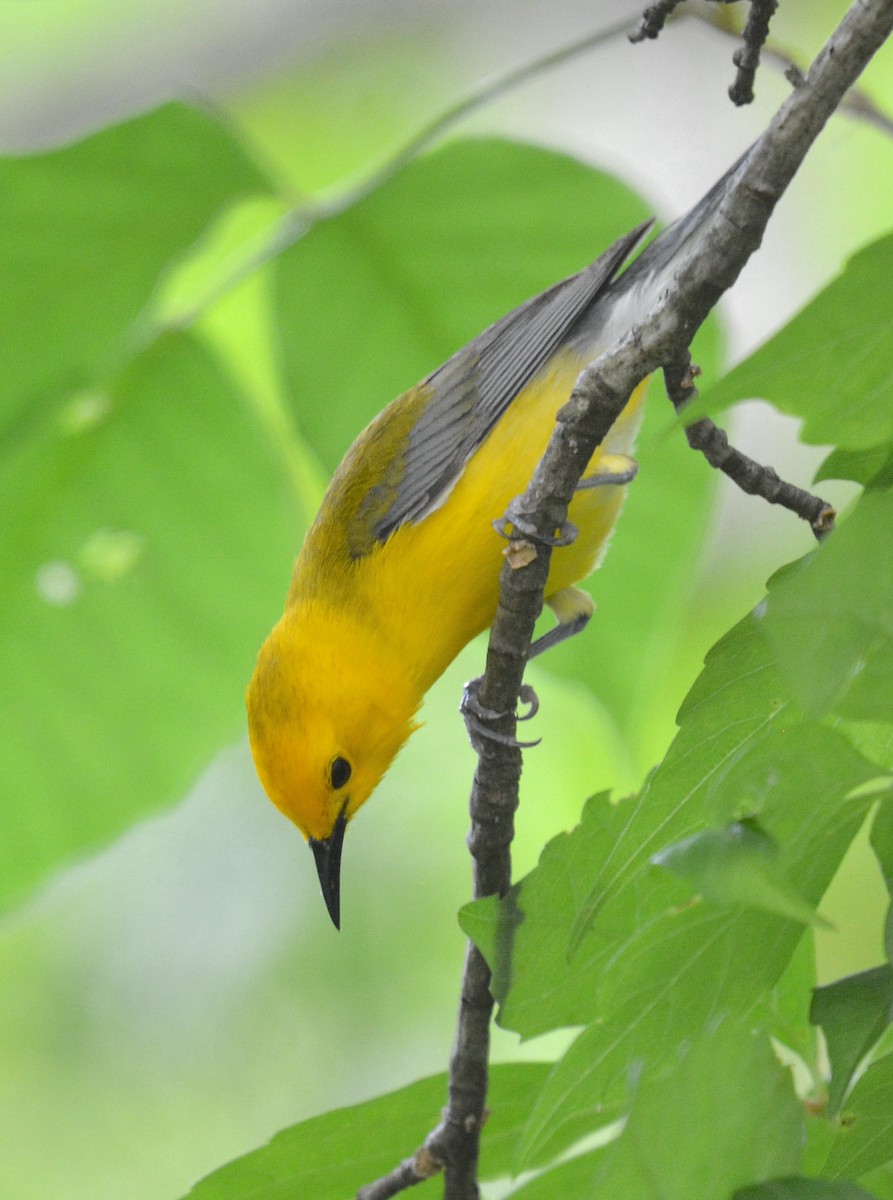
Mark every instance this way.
x=750 y=476
x=653 y=20
x=410 y=1172
x=856 y=103
x=747 y=57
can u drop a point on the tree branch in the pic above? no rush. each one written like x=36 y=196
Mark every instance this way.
x=750 y=476
x=747 y=57
x=730 y=234
x=856 y=103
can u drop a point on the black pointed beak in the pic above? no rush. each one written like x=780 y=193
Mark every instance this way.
x=327 y=853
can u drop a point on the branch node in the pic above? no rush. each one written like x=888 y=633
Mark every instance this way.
x=421 y=1166
x=519 y=553
x=747 y=58
x=795 y=76
x=426 y=1164
x=472 y=1122
x=823 y=522
x=653 y=20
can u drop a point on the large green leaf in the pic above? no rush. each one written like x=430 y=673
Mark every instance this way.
x=728 y=1082
x=146 y=550
x=725 y=1115
x=370 y=301
x=796 y=1187
x=739 y=752
x=831 y=365
x=596 y=936
x=330 y=1157
x=853 y=1012
x=864 y=1140
x=684 y=968
x=736 y=865
x=830 y=616
x=85 y=233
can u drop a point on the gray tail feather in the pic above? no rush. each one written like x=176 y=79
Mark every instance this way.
x=658 y=255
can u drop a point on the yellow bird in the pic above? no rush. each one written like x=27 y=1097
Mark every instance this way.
x=400 y=569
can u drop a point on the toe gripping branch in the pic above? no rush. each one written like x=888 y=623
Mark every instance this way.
x=515 y=526
x=476 y=714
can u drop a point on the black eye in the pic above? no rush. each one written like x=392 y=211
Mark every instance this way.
x=339 y=772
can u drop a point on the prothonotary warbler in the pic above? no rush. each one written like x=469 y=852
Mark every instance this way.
x=400 y=569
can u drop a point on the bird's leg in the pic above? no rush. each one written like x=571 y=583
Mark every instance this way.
x=573 y=608
x=613 y=469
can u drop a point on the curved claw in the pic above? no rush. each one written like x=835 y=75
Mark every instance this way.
x=471 y=705
x=476 y=729
x=528 y=696
x=475 y=713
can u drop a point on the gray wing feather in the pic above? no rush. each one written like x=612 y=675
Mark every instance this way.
x=473 y=389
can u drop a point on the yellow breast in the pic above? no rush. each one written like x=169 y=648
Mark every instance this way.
x=438 y=580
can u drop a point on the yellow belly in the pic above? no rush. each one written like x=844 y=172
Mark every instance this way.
x=438 y=580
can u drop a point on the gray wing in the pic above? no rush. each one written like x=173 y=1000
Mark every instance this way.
x=473 y=389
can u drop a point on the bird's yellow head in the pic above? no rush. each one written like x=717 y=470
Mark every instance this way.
x=327 y=714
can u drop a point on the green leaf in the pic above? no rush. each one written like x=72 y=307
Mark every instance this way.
x=648 y=991
x=330 y=1157
x=831 y=365
x=597 y=882
x=133 y=518
x=734 y=700
x=723 y=1114
x=829 y=617
x=820 y=1133
x=874 y=739
x=569 y=1179
x=375 y=298
x=86 y=232
x=737 y=865
x=862 y=466
x=652 y=969
x=880 y=1182
x=882 y=845
x=726 y=1115
x=785 y=1009
x=853 y=1012
x=865 y=1137
x=796 y=1187
x=882 y=842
